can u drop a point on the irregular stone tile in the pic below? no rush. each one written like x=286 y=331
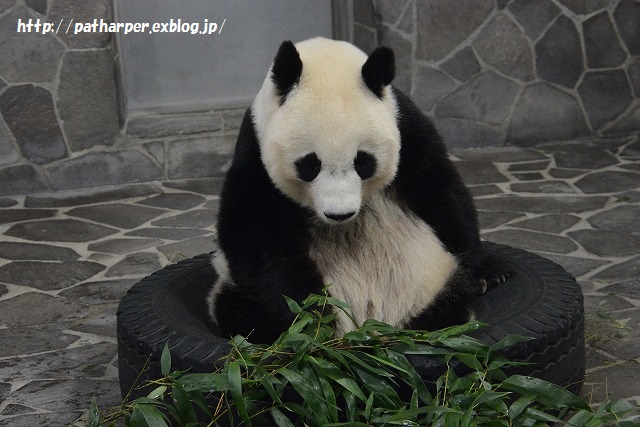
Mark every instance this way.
x=199 y=157
x=197 y=218
x=624 y=343
x=566 y=173
x=18 y=251
x=212 y=204
x=141 y=263
x=431 y=85
x=621 y=272
x=628 y=122
x=559 y=54
x=168 y=233
x=477 y=172
x=104 y=168
x=627 y=16
x=487 y=97
x=156 y=149
x=533 y=15
x=29 y=113
x=87 y=99
x=501 y=154
x=601 y=43
x=6 y=202
x=67 y=395
x=88 y=361
x=176 y=201
x=365 y=38
x=534 y=166
x=23 y=341
x=543 y=204
x=608 y=182
x=50 y=419
x=550 y=187
x=6 y=5
x=48 y=275
x=461 y=133
x=59 y=230
x=462 y=65
x=615 y=382
x=576 y=266
x=3 y=290
x=5 y=388
x=208 y=186
x=21 y=179
x=99 y=292
x=443 y=27
x=488 y=220
x=623 y=218
x=161 y=125
x=532 y=241
x=555 y=223
x=584 y=6
x=484 y=190
x=561 y=119
x=606 y=243
x=605 y=95
x=504 y=46
x=629 y=289
x=101 y=323
x=24 y=56
x=8 y=152
x=631 y=151
x=82 y=11
x=11 y=409
x=8 y=216
x=121 y=215
x=89 y=196
x=586 y=158
x=596 y=304
x=188 y=248
x=364 y=13
x=50 y=310
x=123 y=246
x=529 y=176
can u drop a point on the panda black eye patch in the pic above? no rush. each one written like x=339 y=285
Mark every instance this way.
x=365 y=164
x=308 y=167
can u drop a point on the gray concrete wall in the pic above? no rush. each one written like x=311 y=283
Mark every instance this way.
x=490 y=72
x=513 y=72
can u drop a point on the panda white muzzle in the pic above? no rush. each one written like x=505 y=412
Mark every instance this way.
x=337 y=195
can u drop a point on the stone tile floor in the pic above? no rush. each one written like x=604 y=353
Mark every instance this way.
x=67 y=258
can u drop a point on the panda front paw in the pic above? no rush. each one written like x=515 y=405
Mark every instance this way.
x=491 y=274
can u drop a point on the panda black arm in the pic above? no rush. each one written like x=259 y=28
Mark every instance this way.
x=432 y=189
x=263 y=235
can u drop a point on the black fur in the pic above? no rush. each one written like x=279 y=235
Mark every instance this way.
x=379 y=70
x=286 y=70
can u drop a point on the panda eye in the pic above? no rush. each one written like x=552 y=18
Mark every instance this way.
x=365 y=164
x=308 y=167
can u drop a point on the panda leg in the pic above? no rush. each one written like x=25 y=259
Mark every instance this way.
x=490 y=272
x=235 y=312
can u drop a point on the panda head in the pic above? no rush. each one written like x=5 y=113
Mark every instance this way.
x=326 y=123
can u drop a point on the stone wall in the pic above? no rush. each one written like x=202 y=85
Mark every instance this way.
x=490 y=72
x=61 y=125
x=502 y=72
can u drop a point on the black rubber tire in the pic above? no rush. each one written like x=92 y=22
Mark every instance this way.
x=541 y=301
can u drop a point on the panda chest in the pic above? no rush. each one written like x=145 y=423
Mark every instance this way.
x=386 y=264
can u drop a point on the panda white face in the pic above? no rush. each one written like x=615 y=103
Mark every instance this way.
x=328 y=137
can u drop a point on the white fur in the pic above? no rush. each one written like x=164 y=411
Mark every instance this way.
x=332 y=113
x=386 y=264
x=221 y=266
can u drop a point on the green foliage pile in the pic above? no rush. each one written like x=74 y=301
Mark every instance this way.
x=309 y=378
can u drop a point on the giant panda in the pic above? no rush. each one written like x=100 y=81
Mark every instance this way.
x=338 y=179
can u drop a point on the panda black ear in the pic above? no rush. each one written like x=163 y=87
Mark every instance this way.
x=286 y=69
x=379 y=70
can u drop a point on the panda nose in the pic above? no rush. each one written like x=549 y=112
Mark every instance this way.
x=339 y=216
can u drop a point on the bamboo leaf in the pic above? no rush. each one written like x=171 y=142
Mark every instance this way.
x=165 y=360
x=235 y=387
x=94 y=414
x=528 y=385
x=183 y=405
x=508 y=341
x=280 y=419
x=204 y=383
x=518 y=407
x=152 y=416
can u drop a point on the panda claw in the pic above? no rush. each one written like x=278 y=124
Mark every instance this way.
x=483 y=285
